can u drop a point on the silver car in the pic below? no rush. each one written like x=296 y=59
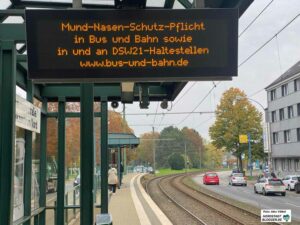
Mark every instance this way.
x=269 y=186
x=237 y=179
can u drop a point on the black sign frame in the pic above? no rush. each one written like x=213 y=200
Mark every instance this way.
x=33 y=17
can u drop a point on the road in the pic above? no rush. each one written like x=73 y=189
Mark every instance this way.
x=247 y=195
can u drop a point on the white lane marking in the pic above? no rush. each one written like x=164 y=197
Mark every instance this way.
x=144 y=220
x=293 y=204
x=159 y=214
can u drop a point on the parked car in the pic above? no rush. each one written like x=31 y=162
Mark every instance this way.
x=237 y=179
x=269 y=186
x=290 y=181
x=211 y=178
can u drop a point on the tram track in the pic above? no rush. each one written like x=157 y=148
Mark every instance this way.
x=202 y=207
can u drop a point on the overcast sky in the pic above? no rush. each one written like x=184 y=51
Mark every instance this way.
x=253 y=76
x=275 y=58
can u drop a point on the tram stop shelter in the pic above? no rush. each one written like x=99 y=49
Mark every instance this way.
x=120 y=141
x=15 y=71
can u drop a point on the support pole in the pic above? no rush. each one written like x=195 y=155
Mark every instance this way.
x=249 y=154
x=28 y=161
x=7 y=128
x=87 y=154
x=43 y=162
x=104 y=157
x=154 y=151
x=60 y=206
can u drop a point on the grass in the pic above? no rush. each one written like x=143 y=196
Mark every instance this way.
x=167 y=171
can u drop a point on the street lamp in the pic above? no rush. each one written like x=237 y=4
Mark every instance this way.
x=267 y=139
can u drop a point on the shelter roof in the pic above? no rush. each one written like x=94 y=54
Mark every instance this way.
x=122 y=140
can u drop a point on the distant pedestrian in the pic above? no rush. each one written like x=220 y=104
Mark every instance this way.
x=113 y=179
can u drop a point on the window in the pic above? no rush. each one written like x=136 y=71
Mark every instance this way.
x=297 y=164
x=297 y=84
x=289 y=164
x=273 y=116
x=273 y=94
x=290 y=112
x=283 y=164
x=298 y=134
x=281 y=114
x=275 y=138
x=298 y=109
x=284 y=90
x=287 y=136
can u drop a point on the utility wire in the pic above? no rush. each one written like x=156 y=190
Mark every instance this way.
x=202 y=100
x=185 y=93
x=169 y=113
x=250 y=24
x=262 y=46
x=155 y=114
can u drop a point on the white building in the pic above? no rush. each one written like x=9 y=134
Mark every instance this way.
x=284 y=116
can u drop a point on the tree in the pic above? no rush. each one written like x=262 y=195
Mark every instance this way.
x=145 y=150
x=213 y=156
x=172 y=140
x=194 y=145
x=235 y=115
x=176 y=161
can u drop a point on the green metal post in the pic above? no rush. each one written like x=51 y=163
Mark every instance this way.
x=87 y=154
x=7 y=128
x=43 y=162
x=60 y=207
x=104 y=157
x=28 y=161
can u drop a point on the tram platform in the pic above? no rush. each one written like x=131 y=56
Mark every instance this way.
x=131 y=205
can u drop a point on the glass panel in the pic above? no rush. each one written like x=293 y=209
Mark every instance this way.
x=18 y=210
x=35 y=194
x=51 y=173
x=52 y=106
x=72 y=182
x=73 y=107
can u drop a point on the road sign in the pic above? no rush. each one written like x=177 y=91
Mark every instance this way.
x=132 y=45
x=28 y=116
x=243 y=138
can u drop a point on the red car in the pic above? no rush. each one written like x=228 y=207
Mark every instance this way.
x=210 y=178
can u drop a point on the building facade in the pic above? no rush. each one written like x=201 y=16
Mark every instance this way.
x=284 y=118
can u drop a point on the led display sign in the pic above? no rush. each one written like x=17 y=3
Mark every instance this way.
x=131 y=45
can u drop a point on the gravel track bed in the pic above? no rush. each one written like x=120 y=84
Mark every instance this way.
x=235 y=213
x=210 y=216
x=176 y=215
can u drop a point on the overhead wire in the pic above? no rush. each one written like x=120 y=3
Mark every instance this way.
x=268 y=41
x=201 y=101
x=250 y=24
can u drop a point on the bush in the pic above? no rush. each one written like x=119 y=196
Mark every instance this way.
x=176 y=161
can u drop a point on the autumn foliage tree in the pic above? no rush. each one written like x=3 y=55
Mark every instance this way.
x=116 y=124
x=235 y=115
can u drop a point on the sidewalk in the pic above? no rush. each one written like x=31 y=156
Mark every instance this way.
x=121 y=205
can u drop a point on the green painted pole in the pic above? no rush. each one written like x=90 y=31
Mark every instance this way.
x=60 y=206
x=28 y=160
x=104 y=156
x=87 y=154
x=43 y=162
x=7 y=128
